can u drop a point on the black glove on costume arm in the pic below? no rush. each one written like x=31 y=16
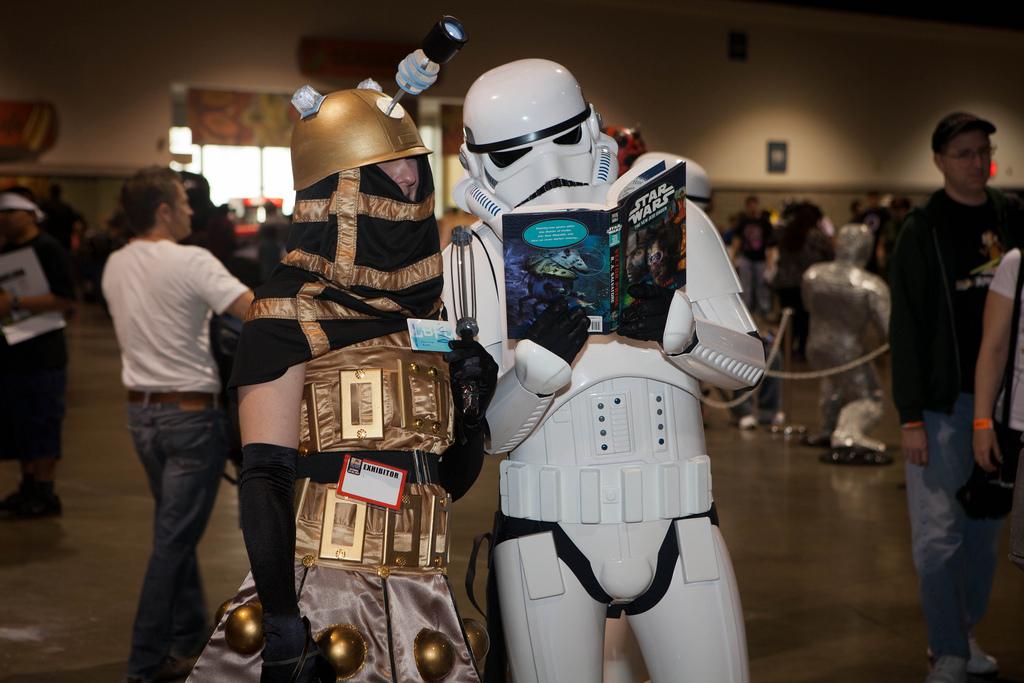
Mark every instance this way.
x=645 y=318
x=474 y=378
x=561 y=331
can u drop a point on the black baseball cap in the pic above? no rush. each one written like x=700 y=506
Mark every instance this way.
x=953 y=124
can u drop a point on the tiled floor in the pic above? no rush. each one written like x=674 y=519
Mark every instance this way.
x=821 y=553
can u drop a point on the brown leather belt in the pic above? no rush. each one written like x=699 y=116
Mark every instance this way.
x=192 y=400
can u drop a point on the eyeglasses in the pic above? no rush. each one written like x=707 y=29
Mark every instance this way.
x=982 y=153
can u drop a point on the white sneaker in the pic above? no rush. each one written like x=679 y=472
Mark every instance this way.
x=779 y=419
x=981 y=663
x=748 y=422
x=948 y=669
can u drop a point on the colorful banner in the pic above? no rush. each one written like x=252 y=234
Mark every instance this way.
x=222 y=117
x=27 y=129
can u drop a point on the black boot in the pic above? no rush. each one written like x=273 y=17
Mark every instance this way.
x=306 y=665
x=41 y=501
x=14 y=501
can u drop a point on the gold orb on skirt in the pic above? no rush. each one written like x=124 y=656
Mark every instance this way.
x=344 y=647
x=479 y=641
x=435 y=656
x=244 y=628
x=222 y=610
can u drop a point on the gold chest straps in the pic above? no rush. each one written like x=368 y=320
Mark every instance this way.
x=374 y=396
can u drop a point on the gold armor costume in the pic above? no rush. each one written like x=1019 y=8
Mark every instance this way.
x=361 y=260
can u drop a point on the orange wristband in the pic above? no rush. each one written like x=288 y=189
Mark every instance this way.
x=912 y=425
x=982 y=423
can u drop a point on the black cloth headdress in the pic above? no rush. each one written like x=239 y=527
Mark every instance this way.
x=361 y=260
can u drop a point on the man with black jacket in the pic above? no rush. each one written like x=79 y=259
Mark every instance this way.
x=943 y=263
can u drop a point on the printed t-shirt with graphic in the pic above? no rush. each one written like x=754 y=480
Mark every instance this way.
x=755 y=235
x=977 y=251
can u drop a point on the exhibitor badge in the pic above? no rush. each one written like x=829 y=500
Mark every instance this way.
x=372 y=482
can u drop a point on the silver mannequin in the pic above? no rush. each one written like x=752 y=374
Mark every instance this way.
x=843 y=299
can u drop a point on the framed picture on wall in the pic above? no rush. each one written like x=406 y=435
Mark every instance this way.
x=778 y=156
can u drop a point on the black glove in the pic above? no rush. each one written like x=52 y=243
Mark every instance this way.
x=645 y=318
x=474 y=379
x=561 y=331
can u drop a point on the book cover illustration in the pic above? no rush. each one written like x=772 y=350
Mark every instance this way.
x=589 y=257
x=653 y=220
x=556 y=256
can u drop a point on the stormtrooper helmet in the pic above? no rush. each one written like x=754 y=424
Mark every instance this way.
x=698 y=184
x=530 y=133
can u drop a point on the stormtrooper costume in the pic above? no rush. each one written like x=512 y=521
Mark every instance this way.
x=843 y=299
x=606 y=503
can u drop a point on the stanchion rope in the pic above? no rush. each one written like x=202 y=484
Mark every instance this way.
x=787 y=314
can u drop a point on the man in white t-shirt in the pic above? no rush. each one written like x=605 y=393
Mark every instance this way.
x=161 y=295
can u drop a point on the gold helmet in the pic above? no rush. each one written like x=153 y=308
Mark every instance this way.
x=347 y=129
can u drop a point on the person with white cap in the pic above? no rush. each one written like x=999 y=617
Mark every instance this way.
x=33 y=373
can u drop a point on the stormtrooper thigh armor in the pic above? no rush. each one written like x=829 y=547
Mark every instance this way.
x=554 y=627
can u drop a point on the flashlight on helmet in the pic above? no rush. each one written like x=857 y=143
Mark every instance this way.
x=418 y=71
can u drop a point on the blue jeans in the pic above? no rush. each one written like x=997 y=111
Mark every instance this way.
x=183 y=453
x=955 y=555
x=757 y=296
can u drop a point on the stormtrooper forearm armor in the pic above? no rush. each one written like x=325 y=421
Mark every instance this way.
x=708 y=350
x=523 y=397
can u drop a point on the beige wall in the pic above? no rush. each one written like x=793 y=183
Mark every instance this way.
x=855 y=97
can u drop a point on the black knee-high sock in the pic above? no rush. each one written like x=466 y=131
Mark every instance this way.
x=265 y=491
x=265 y=495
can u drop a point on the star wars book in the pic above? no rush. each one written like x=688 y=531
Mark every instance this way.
x=590 y=255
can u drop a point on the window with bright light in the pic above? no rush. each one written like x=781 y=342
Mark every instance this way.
x=233 y=172
x=181 y=147
x=277 y=176
x=236 y=172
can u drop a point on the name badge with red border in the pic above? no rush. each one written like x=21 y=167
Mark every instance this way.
x=372 y=482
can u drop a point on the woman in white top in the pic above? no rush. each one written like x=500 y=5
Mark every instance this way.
x=991 y=366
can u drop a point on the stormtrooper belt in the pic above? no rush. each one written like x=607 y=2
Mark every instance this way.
x=338 y=531
x=606 y=494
